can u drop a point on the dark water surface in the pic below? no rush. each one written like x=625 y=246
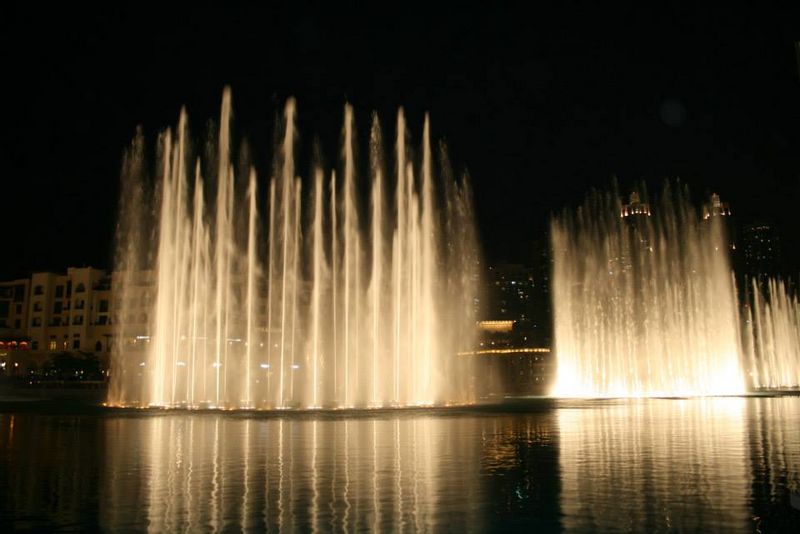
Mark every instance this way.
x=724 y=464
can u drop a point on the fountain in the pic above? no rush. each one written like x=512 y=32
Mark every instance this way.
x=644 y=301
x=646 y=305
x=238 y=292
x=772 y=336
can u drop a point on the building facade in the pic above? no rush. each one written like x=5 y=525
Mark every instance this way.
x=51 y=313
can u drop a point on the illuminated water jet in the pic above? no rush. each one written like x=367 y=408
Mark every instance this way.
x=299 y=301
x=644 y=300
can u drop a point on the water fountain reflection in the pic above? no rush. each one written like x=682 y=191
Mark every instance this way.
x=719 y=464
x=300 y=475
x=657 y=465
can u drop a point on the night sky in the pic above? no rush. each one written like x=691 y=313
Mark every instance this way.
x=538 y=105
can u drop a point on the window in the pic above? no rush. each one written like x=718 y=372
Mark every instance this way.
x=19 y=293
x=57 y=307
x=76 y=343
x=79 y=304
x=4 y=308
x=80 y=288
x=53 y=344
x=59 y=292
x=37 y=306
x=37 y=321
x=69 y=288
x=18 y=323
x=98 y=347
x=56 y=321
x=78 y=319
x=19 y=309
x=103 y=319
x=34 y=345
x=104 y=306
x=38 y=290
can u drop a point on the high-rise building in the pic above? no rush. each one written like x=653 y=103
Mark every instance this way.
x=635 y=208
x=716 y=210
x=514 y=333
x=761 y=250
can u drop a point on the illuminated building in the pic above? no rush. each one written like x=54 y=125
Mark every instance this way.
x=716 y=208
x=635 y=208
x=761 y=250
x=514 y=335
x=54 y=312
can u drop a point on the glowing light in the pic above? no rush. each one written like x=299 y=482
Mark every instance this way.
x=530 y=350
x=363 y=331
x=666 y=324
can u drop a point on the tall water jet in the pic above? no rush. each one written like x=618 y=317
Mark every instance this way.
x=336 y=309
x=376 y=288
x=772 y=335
x=644 y=301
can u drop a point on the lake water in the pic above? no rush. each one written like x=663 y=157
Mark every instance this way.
x=721 y=464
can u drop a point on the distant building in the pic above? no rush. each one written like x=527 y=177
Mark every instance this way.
x=70 y=311
x=14 y=341
x=14 y=307
x=715 y=210
x=54 y=312
x=635 y=208
x=761 y=250
x=515 y=330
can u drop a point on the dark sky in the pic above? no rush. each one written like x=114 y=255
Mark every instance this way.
x=539 y=105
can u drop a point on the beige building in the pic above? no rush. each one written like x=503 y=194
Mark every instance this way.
x=14 y=308
x=55 y=312
x=70 y=312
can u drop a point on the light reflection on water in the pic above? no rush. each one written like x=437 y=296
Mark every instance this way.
x=647 y=465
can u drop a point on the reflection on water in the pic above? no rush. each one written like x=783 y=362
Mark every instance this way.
x=219 y=472
x=649 y=465
x=679 y=465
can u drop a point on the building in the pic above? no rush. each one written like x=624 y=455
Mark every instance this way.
x=635 y=209
x=14 y=341
x=14 y=308
x=761 y=251
x=514 y=330
x=54 y=312
x=70 y=312
x=718 y=211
